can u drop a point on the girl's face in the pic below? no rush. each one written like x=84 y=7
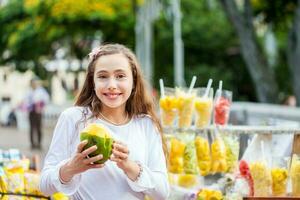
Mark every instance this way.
x=113 y=80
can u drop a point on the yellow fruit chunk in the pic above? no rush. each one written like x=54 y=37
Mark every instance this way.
x=279 y=181
x=261 y=177
x=295 y=175
x=185 y=110
x=207 y=194
x=203 y=155
x=168 y=103
x=187 y=180
x=59 y=196
x=218 y=155
x=97 y=130
x=203 y=108
x=168 y=106
x=176 y=156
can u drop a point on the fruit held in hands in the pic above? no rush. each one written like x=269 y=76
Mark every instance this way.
x=97 y=134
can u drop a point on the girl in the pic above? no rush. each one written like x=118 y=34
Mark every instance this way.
x=113 y=94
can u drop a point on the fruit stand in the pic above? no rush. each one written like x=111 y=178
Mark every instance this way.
x=185 y=174
x=20 y=176
x=204 y=150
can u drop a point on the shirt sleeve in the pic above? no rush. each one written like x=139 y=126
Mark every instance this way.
x=154 y=177
x=59 y=154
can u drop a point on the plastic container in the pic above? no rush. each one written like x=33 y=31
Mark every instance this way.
x=203 y=107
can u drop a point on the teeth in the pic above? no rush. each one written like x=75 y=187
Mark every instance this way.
x=112 y=95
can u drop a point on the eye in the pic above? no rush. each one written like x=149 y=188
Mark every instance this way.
x=120 y=76
x=102 y=76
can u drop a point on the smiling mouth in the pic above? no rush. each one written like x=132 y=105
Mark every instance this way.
x=112 y=95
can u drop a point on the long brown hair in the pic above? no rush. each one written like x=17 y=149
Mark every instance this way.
x=140 y=101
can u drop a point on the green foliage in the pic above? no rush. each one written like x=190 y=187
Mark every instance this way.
x=29 y=29
x=279 y=13
x=211 y=50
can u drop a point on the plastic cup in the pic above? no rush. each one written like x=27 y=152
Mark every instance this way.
x=222 y=105
x=262 y=178
x=176 y=152
x=168 y=107
x=185 y=102
x=295 y=175
x=218 y=154
x=232 y=145
x=203 y=107
x=279 y=175
x=203 y=153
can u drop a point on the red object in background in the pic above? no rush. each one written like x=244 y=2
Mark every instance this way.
x=221 y=111
x=245 y=173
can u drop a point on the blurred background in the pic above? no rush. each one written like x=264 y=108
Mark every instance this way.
x=252 y=45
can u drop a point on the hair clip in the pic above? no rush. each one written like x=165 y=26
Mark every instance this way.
x=93 y=54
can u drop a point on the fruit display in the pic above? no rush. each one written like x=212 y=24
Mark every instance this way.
x=187 y=180
x=185 y=106
x=205 y=162
x=190 y=159
x=232 y=152
x=19 y=182
x=222 y=104
x=244 y=173
x=98 y=134
x=203 y=110
x=218 y=156
x=295 y=175
x=208 y=194
x=168 y=108
x=279 y=181
x=203 y=155
x=262 y=178
x=177 y=148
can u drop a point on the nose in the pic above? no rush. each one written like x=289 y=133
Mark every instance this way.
x=112 y=84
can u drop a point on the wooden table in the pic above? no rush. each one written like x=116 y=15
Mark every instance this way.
x=271 y=198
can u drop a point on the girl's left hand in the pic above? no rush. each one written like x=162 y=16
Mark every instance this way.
x=120 y=154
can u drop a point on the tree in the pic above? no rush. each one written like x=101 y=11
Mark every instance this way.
x=31 y=29
x=263 y=76
x=293 y=52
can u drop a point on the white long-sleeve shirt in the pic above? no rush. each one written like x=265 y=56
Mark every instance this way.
x=109 y=182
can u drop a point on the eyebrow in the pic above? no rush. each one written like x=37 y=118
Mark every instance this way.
x=105 y=71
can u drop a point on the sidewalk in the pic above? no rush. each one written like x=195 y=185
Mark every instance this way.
x=11 y=137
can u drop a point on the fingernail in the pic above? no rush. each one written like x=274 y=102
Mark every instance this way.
x=84 y=141
x=95 y=146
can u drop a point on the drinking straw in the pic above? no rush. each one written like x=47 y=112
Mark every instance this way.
x=208 y=87
x=192 y=84
x=219 y=91
x=220 y=87
x=162 y=89
x=262 y=146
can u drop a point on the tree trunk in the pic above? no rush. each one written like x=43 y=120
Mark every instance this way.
x=145 y=17
x=293 y=53
x=262 y=75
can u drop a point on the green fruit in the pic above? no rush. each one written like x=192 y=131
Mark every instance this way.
x=97 y=134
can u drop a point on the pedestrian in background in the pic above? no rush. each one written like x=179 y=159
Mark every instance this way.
x=35 y=102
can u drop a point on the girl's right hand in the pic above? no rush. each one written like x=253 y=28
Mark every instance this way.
x=80 y=162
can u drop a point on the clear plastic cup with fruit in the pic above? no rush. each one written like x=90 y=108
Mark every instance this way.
x=203 y=107
x=168 y=107
x=222 y=104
